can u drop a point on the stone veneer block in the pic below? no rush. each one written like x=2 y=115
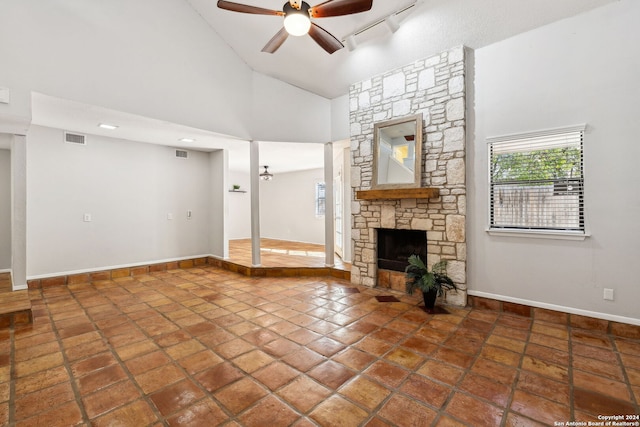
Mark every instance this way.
x=388 y=217
x=455 y=228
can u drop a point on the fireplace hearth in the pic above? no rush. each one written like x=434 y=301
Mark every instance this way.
x=396 y=246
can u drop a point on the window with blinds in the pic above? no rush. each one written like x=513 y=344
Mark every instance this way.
x=537 y=182
x=320 y=198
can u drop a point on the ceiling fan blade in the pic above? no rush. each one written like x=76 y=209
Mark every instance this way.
x=276 y=41
x=340 y=7
x=244 y=8
x=324 y=38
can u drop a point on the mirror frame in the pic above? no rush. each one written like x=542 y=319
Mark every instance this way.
x=417 y=167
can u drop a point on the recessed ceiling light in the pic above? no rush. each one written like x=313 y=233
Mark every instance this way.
x=187 y=140
x=107 y=126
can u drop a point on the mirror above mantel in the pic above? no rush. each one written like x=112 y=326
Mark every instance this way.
x=397 y=153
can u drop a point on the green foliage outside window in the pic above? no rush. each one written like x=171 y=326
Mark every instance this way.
x=540 y=165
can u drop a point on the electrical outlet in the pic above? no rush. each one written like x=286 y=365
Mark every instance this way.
x=608 y=294
x=87 y=217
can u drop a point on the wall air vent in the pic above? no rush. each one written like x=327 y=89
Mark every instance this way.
x=182 y=154
x=75 y=138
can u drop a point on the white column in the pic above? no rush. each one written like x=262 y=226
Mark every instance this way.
x=19 y=212
x=254 y=155
x=329 y=233
x=219 y=206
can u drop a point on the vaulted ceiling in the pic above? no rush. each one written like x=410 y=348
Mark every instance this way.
x=426 y=28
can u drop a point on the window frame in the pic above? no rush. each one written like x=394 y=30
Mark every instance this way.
x=537 y=232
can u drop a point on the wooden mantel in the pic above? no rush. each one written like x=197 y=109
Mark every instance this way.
x=398 y=193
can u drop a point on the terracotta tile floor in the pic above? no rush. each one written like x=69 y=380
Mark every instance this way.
x=205 y=347
x=282 y=253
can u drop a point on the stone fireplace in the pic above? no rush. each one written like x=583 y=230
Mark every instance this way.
x=435 y=88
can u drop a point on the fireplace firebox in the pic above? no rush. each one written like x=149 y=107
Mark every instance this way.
x=395 y=247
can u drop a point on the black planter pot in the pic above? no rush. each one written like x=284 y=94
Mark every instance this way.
x=430 y=300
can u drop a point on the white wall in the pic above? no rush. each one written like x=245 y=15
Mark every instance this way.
x=287 y=207
x=128 y=188
x=340 y=118
x=5 y=209
x=580 y=70
x=285 y=113
x=239 y=224
x=156 y=58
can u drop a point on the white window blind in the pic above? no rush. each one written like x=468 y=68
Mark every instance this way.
x=537 y=182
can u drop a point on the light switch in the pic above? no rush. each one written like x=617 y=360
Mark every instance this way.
x=169 y=216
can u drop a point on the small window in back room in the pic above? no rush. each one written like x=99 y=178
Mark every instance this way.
x=320 y=198
x=537 y=182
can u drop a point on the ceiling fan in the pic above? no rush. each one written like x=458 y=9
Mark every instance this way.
x=297 y=19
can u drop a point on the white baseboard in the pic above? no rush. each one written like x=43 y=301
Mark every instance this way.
x=571 y=310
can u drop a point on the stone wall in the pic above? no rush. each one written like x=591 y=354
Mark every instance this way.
x=434 y=87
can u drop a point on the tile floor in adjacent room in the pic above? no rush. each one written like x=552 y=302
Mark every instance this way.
x=205 y=347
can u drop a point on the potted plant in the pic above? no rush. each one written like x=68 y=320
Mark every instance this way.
x=236 y=187
x=431 y=283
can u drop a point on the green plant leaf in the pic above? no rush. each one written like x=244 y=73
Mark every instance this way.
x=420 y=278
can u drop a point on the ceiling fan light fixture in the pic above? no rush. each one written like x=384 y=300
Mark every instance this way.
x=297 y=21
x=266 y=175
